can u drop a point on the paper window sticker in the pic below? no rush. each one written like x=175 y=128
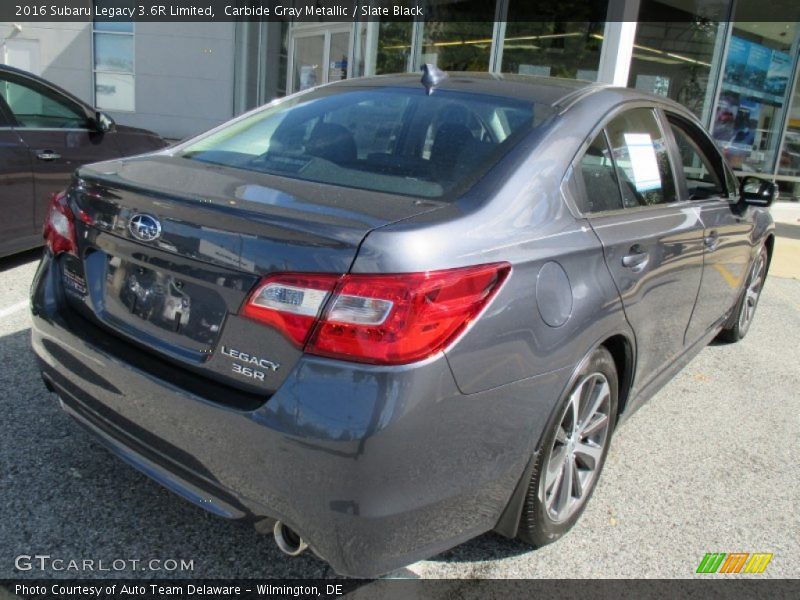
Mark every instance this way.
x=644 y=163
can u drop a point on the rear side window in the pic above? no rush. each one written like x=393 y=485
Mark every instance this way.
x=640 y=154
x=397 y=140
x=703 y=179
x=601 y=191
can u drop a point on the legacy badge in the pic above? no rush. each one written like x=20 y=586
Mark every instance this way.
x=250 y=359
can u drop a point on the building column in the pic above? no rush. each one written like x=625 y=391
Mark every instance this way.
x=618 y=38
x=257 y=57
x=498 y=37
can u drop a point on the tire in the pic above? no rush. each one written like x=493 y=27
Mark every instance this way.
x=550 y=510
x=739 y=324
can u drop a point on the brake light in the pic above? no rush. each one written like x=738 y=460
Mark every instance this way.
x=378 y=319
x=59 y=226
x=290 y=303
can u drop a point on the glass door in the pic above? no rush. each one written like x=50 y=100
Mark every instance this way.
x=318 y=56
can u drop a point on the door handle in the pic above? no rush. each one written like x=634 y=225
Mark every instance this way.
x=711 y=240
x=48 y=155
x=636 y=258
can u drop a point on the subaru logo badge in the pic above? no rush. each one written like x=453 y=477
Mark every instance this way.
x=144 y=227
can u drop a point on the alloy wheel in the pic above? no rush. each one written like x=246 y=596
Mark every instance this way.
x=752 y=292
x=577 y=452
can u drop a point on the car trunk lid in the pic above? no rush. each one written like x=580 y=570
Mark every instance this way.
x=221 y=230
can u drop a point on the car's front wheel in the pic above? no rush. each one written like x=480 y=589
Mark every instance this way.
x=739 y=324
x=572 y=454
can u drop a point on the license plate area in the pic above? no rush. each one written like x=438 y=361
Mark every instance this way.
x=174 y=308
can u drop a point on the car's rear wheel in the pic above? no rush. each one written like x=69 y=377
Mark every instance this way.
x=741 y=319
x=572 y=453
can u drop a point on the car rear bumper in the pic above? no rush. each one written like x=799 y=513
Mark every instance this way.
x=375 y=467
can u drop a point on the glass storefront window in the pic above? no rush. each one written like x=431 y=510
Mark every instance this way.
x=753 y=96
x=308 y=55
x=114 y=91
x=556 y=47
x=789 y=164
x=454 y=45
x=118 y=26
x=394 y=47
x=113 y=53
x=553 y=49
x=114 y=80
x=679 y=56
x=319 y=54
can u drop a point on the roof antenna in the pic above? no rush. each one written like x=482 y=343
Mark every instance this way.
x=431 y=77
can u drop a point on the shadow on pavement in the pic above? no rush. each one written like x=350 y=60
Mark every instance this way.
x=787 y=231
x=489 y=546
x=17 y=260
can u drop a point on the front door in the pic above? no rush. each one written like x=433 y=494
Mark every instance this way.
x=318 y=56
x=727 y=229
x=56 y=132
x=16 y=189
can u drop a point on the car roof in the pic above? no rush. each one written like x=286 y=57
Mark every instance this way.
x=544 y=90
x=553 y=91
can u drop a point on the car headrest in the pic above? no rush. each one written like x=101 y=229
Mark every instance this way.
x=332 y=142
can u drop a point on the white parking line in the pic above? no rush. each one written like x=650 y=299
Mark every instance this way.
x=10 y=310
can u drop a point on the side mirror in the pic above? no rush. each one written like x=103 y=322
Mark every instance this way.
x=757 y=192
x=102 y=122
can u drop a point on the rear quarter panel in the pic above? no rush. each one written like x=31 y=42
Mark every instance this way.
x=515 y=214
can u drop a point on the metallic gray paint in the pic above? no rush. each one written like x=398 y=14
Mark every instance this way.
x=379 y=466
x=553 y=294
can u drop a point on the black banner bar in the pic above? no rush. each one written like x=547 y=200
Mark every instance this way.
x=783 y=11
x=706 y=588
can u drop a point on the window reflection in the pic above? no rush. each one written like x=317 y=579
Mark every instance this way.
x=789 y=164
x=747 y=119
x=113 y=53
x=394 y=47
x=552 y=48
x=567 y=44
x=454 y=45
x=114 y=81
x=679 y=59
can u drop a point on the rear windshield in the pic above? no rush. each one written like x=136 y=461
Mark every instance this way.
x=396 y=140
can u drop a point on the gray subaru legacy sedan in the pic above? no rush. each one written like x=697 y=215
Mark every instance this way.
x=381 y=317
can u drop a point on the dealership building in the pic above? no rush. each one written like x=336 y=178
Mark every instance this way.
x=738 y=75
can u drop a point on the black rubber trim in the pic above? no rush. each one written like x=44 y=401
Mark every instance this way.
x=159 y=367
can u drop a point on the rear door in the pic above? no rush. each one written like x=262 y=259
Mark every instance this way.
x=653 y=243
x=56 y=131
x=16 y=186
x=703 y=181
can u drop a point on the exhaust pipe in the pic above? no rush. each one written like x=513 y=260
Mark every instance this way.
x=288 y=540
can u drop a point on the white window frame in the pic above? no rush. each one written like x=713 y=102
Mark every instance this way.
x=132 y=74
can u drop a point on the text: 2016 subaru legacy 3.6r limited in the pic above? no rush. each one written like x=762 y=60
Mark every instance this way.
x=393 y=316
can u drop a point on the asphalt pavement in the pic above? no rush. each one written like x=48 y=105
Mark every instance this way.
x=710 y=464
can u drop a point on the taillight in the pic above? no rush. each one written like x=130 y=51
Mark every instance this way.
x=290 y=303
x=59 y=226
x=379 y=319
